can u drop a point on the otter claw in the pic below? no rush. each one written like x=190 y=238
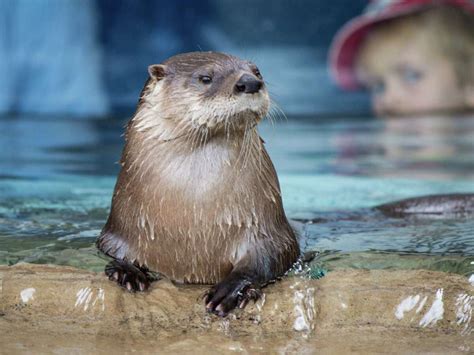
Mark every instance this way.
x=227 y=295
x=127 y=275
x=243 y=303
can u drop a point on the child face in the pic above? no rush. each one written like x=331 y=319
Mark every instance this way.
x=406 y=77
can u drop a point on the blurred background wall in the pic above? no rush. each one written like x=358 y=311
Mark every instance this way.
x=89 y=58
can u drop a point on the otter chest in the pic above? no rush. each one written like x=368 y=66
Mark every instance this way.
x=201 y=174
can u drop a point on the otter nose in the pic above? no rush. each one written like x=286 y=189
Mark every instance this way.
x=248 y=84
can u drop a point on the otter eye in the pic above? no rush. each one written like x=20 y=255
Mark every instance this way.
x=205 y=79
x=257 y=73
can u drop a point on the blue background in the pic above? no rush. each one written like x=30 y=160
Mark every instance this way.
x=80 y=58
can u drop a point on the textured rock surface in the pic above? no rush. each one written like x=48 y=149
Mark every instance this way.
x=46 y=307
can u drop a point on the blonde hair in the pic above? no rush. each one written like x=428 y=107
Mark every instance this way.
x=447 y=29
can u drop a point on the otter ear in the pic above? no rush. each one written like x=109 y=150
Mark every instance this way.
x=157 y=71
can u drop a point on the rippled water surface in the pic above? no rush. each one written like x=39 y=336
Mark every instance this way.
x=57 y=177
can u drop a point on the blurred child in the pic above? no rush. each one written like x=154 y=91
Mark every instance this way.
x=415 y=56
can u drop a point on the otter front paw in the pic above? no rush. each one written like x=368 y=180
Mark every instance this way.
x=229 y=294
x=127 y=275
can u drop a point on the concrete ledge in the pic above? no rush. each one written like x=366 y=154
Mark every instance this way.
x=431 y=310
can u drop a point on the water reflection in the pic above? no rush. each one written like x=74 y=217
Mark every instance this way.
x=38 y=147
x=371 y=230
x=422 y=147
x=417 y=147
x=431 y=147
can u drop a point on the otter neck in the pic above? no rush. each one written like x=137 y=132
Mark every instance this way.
x=157 y=128
x=235 y=147
x=214 y=161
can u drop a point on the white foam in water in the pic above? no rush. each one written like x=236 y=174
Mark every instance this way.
x=27 y=294
x=436 y=312
x=471 y=279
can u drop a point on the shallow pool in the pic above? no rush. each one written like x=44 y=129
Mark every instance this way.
x=57 y=177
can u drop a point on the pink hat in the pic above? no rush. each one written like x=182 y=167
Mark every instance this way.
x=347 y=41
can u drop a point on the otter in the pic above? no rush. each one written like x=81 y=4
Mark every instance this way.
x=197 y=198
x=457 y=204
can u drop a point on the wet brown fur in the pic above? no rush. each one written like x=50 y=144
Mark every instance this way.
x=196 y=202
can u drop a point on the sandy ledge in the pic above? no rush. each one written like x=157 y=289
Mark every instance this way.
x=45 y=308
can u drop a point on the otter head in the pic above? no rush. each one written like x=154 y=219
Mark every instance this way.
x=205 y=91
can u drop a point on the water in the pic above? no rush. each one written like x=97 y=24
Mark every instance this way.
x=57 y=177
